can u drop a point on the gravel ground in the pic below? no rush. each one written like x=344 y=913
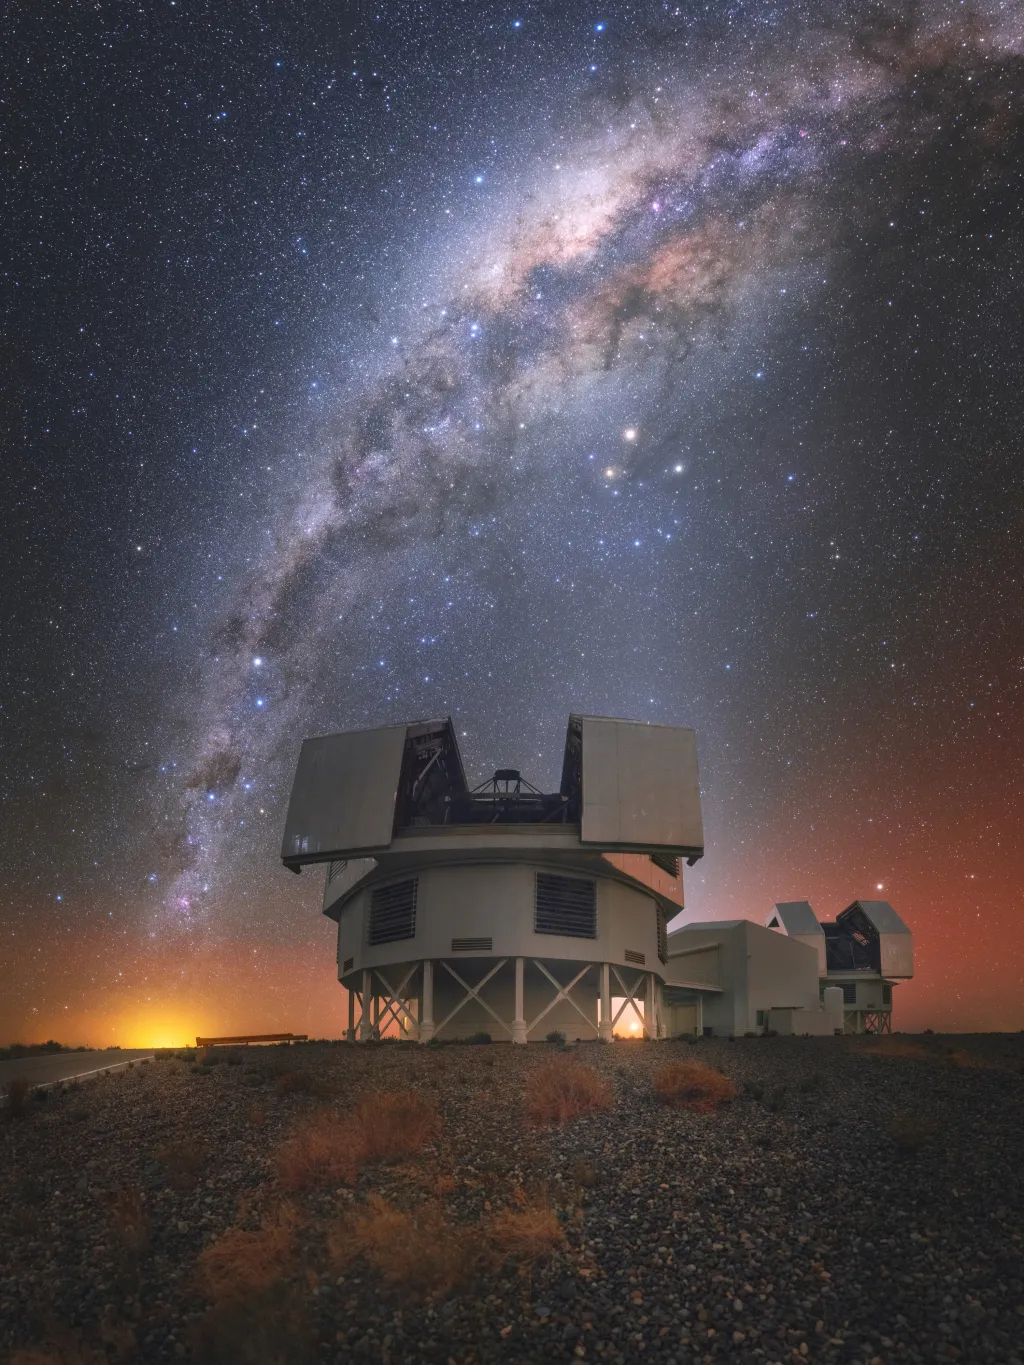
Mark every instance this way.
x=791 y=1225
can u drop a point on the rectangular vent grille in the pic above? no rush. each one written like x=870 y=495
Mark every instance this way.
x=668 y=862
x=850 y=994
x=631 y=956
x=886 y=994
x=392 y=913
x=565 y=905
x=662 y=935
x=350 y=962
x=335 y=869
x=472 y=945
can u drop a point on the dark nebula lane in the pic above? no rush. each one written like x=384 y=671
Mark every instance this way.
x=657 y=361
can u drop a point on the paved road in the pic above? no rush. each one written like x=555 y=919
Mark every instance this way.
x=64 y=1066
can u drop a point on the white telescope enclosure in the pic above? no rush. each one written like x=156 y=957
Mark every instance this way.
x=499 y=908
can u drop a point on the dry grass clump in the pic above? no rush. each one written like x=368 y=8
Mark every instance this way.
x=17 y=1091
x=246 y=1261
x=692 y=1085
x=319 y=1151
x=563 y=1089
x=327 y=1147
x=968 y=1061
x=910 y=1133
x=183 y=1162
x=389 y=1127
x=270 y=1327
x=898 y=1048
x=526 y=1235
x=418 y=1250
x=130 y=1220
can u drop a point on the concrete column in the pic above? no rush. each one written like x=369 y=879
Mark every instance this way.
x=350 y=1032
x=375 y=1016
x=659 y=1005
x=519 y=1022
x=604 y=1028
x=700 y=1015
x=364 y=1017
x=650 y=1021
x=427 y=1015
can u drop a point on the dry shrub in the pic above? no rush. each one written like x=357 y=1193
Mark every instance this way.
x=62 y=1345
x=563 y=1089
x=183 y=1162
x=128 y=1214
x=325 y=1147
x=17 y=1090
x=265 y=1328
x=692 y=1085
x=910 y=1132
x=526 y=1235
x=389 y=1127
x=898 y=1048
x=420 y=1251
x=244 y=1262
x=64 y=1353
x=319 y=1151
x=968 y=1061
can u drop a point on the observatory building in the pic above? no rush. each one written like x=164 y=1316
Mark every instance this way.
x=506 y=910
x=793 y=975
x=499 y=908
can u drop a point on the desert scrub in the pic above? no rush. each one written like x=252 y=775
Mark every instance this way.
x=562 y=1090
x=416 y=1250
x=326 y=1147
x=692 y=1085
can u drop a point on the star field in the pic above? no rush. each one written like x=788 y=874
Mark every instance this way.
x=368 y=363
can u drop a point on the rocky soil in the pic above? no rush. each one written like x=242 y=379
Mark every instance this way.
x=852 y=1204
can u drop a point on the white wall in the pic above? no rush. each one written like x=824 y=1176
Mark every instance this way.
x=497 y=900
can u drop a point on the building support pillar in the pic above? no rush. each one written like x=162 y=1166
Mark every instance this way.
x=364 y=1016
x=650 y=1021
x=604 y=1028
x=427 y=1013
x=659 y=1006
x=519 y=1021
x=350 y=1032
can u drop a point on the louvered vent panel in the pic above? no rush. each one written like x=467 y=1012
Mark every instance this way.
x=662 y=935
x=850 y=993
x=472 y=945
x=668 y=862
x=335 y=869
x=350 y=962
x=638 y=958
x=565 y=905
x=392 y=913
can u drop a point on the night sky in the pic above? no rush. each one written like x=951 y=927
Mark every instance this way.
x=365 y=363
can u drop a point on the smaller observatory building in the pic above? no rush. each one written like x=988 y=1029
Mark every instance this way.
x=506 y=910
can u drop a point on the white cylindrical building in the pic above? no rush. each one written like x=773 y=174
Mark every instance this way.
x=500 y=909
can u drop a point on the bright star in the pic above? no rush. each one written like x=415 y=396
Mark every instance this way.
x=629 y=434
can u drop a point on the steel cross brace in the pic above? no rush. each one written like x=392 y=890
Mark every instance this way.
x=563 y=994
x=394 y=1006
x=473 y=993
x=630 y=998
